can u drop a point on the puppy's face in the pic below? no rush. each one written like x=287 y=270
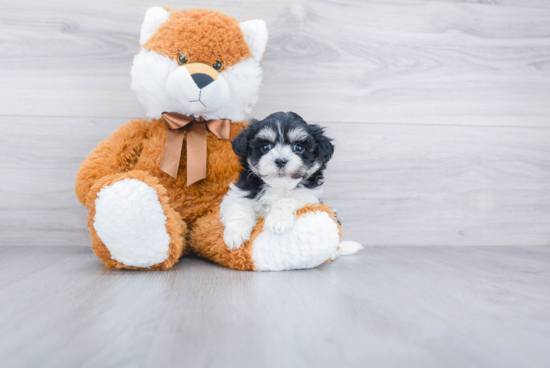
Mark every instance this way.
x=283 y=149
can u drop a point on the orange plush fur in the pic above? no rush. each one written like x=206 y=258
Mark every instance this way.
x=135 y=151
x=204 y=36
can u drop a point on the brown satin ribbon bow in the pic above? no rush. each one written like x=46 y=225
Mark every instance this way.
x=196 y=143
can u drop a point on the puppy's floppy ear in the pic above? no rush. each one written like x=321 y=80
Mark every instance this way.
x=324 y=144
x=240 y=143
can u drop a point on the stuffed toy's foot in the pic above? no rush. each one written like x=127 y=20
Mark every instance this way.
x=131 y=223
x=313 y=240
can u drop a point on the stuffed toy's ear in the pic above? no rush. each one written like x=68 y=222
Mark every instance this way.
x=154 y=17
x=240 y=143
x=324 y=144
x=255 y=35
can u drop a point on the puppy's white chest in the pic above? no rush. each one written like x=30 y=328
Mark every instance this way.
x=268 y=198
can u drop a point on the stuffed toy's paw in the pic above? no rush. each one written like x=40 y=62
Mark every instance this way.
x=132 y=226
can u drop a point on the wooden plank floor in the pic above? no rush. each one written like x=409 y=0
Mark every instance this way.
x=385 y=307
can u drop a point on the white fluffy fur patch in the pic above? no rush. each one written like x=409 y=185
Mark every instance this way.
x=130 y=221
x=151 y=73
x=255 y=35
x=268 y=134
x=154 y=17
x=313 y=239
x=349 y=247
x=297 y=134
x=244 y=80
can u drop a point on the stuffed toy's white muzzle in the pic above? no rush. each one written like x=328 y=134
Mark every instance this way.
x=198 y=87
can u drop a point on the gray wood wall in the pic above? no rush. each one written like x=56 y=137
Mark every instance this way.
x=440 y=110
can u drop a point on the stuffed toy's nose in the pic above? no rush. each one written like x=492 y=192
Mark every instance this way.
x=202 y=80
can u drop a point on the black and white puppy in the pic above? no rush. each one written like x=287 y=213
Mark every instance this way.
x=283 y=159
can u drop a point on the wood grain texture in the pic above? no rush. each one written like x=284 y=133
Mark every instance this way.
x=391 y=184
x=435 y=185
x=384 y=307
x=440 y=110
x=397 y=61
x=39 y=158
x=17 y=263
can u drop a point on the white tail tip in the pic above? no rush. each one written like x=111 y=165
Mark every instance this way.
x=349 y=247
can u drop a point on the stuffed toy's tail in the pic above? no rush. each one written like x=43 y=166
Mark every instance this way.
x=347 y=248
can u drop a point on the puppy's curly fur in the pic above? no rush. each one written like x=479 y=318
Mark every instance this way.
x=283 y=160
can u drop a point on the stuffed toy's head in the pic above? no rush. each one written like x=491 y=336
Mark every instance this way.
x=198 y=62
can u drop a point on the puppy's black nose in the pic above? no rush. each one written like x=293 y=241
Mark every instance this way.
x=202 y=80
x=280 y=162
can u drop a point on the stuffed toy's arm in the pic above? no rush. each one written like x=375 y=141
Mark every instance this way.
x=118 y=153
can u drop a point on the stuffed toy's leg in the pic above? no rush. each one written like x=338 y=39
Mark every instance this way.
x=313 y=240
x=132 y=224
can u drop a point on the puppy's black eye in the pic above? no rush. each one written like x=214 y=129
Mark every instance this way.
x=266 y=148
x=298 y=148
x=218 y=65
x=182 y=59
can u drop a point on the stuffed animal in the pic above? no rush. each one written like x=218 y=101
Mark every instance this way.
x=154 y=187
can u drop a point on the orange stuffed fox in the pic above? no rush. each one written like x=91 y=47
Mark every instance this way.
x=154 y=187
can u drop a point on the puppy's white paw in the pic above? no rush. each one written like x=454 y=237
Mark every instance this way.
x=234 y=236
x=279 y=221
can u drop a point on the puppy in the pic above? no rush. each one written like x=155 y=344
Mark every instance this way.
x=283 y=159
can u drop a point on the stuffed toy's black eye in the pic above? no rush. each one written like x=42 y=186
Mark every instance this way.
x=218 y=65
x=266 y=148
x=182 y=59
x=298 y=148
